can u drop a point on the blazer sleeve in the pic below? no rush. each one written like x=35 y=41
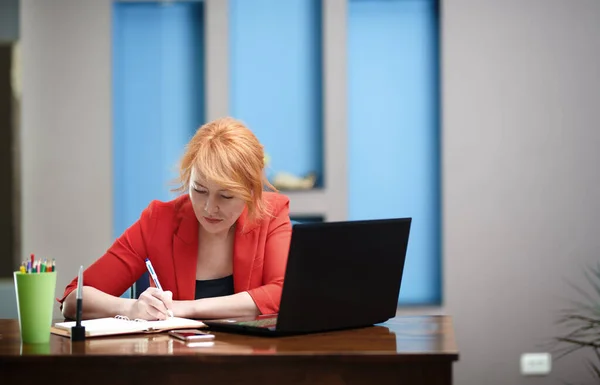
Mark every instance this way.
x=268 y=296
x=124 y=262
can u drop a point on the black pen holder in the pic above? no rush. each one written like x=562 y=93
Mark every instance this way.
x=77 y=333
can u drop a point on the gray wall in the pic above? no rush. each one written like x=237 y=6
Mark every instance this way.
x=521 y=186
x=520 y=90
x=66 y=132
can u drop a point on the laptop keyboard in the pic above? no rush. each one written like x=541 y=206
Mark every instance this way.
x=261 y=323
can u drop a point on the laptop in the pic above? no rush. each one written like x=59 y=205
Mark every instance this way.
x=339 y=275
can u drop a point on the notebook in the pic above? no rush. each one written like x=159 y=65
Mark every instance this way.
x=123 y=325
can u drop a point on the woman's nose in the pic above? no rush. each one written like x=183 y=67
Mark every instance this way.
x=211 y=207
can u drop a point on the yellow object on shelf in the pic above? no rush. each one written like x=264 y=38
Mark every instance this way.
x=288 y=181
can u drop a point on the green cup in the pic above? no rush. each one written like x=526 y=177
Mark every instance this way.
x=35 y=349
x=35 y=303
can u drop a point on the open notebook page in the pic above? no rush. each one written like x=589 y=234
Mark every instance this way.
x=122 y=325
x=172 y=323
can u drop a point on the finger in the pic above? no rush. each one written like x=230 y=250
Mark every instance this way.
x=151 y=300
x=169 y=304
x=166 y=297
x=152 y=290
x=154 y=314
x=146 y=312
x=154 y=308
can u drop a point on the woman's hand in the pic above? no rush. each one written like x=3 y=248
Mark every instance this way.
x=153 y=304
x=235 y=305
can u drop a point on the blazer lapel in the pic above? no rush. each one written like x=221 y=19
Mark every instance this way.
x=185 y=253
x=244 y=253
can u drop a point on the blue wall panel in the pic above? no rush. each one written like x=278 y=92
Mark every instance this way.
x=394 y=112
x=158 y=103
x=275 y=79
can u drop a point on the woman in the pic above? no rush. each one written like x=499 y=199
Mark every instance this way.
x=218 y=251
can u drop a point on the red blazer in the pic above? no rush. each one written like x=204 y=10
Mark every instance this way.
x=167 y=234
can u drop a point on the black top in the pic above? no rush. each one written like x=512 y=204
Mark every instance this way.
x=214 y=287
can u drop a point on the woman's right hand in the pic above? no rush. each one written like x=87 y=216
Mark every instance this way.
x=153 y=304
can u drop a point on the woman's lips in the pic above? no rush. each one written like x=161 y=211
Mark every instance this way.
x=212 y=220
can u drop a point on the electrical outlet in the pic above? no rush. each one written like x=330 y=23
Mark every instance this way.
x=536 y=364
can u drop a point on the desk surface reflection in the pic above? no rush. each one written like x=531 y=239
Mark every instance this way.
x=404 y=341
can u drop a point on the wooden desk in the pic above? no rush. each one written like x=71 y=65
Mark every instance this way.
x=407 y=350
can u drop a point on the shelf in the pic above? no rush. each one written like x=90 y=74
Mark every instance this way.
x=307 y=203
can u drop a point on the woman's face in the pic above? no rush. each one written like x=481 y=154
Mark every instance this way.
x=216 y=208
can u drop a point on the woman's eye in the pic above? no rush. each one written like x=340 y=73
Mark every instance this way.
x=226 y=197
x=200 y=191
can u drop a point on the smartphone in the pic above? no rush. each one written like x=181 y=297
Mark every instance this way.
x=191 y=335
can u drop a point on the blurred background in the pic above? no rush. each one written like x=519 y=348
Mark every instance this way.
x=477 y=118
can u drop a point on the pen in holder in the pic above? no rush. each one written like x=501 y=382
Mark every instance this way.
x=78 y=331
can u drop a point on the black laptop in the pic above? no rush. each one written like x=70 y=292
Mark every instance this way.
x=339 y=275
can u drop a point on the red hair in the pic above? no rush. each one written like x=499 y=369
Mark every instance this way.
x=227 y=153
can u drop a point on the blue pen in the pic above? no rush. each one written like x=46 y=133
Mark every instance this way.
x=155 y=279
x=153 y=274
